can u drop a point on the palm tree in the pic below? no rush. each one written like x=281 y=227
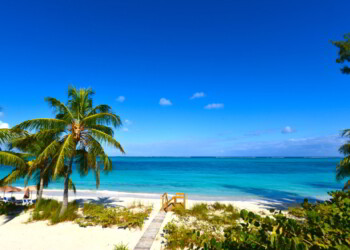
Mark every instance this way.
x=8 y=158
x=42 y=170
x=80 y=129
x=343 y=168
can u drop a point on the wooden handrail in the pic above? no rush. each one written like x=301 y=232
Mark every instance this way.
x=170 y=204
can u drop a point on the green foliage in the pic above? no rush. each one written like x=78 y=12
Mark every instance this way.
x=47 y=209
x=322 y=226
x=199 y=225
x=133 y=217
x=298 y=212
x=181 y=236
x=216 y=214
x=344 y=52
x=121 y=246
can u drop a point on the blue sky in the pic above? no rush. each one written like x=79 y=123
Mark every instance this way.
x=264 y=71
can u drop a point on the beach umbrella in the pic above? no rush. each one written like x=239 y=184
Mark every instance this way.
x=9 y=189
x=30 y=189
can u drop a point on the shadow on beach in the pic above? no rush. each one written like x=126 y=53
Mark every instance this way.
x=275 y=199
x=14 y=213
x=105 y=201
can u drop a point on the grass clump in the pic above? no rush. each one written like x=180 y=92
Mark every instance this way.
x=133 y=217
x=121 y=246
x=48 y=209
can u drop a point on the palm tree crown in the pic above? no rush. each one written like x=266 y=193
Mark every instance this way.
x=79 y=129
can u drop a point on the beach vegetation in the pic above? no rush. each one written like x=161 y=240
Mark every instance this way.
x=79 y=130
x=49 y=209
x=323 y=225
x=121 y=246
x=96 y=214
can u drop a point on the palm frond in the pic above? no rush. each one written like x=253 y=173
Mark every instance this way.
x=343 y=169
x=100 y=109
x=66 y=150
x=60 y=108
x=103 y=128
x=82 y=162
x=15 y=175
x=95 y=149
x=43 y=123
x=103 y=137
x=11 y=159
x=102 y=119
x=49 y=152
x=345 y=149
x=7 y=134
x=80 y=101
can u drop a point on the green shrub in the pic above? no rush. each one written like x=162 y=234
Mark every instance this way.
x=324 y=226
x=48 y=209
x=106 y=217
x=298 y=212
x=181 y=236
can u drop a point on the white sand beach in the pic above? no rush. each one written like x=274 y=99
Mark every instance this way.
x=17 y=234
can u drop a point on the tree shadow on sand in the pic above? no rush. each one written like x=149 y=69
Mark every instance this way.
x=13 y=214
x=105 y=201
x=274 y=199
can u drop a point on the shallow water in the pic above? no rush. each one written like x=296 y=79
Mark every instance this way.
x=278 y=179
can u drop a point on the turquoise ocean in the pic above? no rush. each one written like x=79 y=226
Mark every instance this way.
x=277 y=179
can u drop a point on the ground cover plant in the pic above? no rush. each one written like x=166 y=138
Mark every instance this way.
x=318 y=226
x=48 y=209
x=91 y=214
x=133 y=216
x=208 y=221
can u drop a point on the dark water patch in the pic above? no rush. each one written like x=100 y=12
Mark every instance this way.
x=327 y=185
x=283 y=198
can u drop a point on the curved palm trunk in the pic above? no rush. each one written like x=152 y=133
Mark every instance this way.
x=66 y=184
x=41 y=189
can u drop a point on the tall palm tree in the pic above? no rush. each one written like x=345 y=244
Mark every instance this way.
x=80 y=129
x=41 y=169
x=343 y=168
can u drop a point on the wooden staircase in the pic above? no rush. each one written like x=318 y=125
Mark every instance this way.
x=179 y=199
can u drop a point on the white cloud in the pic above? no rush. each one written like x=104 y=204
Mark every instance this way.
x=214 y=106
x=4 y=125
x=121 y=98
x=165 y=102
x=125 y=129
x=197 y=95
x=128 y=122
x=287 y=130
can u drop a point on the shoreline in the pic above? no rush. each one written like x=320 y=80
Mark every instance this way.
x=255 y=204
x=194 y=197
